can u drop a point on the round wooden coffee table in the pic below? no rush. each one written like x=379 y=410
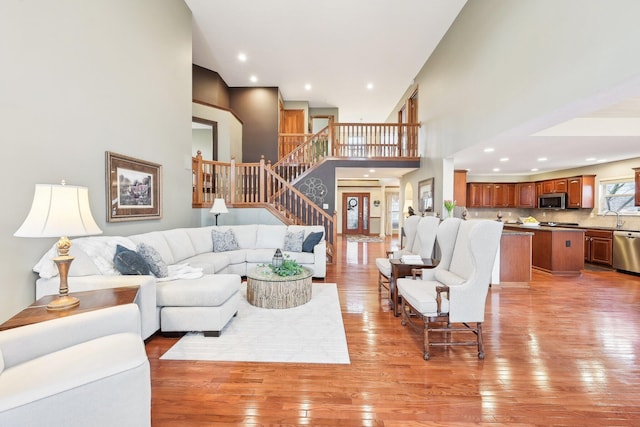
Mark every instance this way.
x=268 y=290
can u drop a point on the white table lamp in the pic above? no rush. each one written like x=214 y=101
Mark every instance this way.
x=218 y=207
x=60 y=211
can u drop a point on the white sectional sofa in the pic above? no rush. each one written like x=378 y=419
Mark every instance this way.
x=202 y=290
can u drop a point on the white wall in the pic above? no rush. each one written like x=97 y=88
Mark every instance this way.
x=79 y=78
x=202 y=140
x=508 y=65
x=229 y=130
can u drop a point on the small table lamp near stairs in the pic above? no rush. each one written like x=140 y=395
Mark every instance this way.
x=218 y=207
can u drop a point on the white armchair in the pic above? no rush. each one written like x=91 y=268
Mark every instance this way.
x=89 y=369
x=420 y=233
x=456 y=290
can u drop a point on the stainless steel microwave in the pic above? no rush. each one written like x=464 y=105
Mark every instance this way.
x=552 y=201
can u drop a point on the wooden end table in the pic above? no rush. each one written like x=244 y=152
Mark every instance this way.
x=400 y=269
x=89 y=301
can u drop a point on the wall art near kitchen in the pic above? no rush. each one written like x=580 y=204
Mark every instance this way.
x=134 y=188
x=425 y=195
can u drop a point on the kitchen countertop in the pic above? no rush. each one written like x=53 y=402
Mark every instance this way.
x=580 y=227
x=516 y=232
x=545 y=227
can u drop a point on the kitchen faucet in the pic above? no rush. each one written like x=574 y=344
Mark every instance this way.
x=619 y=223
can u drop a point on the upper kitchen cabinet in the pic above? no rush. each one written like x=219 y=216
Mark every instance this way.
x=554 y=186
x=637 y=173
x=504 y=195
x=474 y=195
x=580 y=191
x=487 y=195
x=526 y=195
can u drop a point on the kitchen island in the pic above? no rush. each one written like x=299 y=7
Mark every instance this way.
x=515 y=256
x=555 y=250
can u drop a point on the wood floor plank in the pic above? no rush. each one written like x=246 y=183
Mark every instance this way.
x=559 y=351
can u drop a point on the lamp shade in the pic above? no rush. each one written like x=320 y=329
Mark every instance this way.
x=219 y=207
x=59 y=210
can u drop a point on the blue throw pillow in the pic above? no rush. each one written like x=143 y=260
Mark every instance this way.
x=311 y=241
x=129 y=262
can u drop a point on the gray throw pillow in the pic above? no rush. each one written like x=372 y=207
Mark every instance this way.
x=156 y=264
x=293 y=241
x=224 y=241
x=129 y=262
x=311 y=241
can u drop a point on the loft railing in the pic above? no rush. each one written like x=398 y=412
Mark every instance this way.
x=301 y=152
x=257 y=185
x=355 y=140
x=374 y=140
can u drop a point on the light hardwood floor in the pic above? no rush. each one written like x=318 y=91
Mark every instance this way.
x=562 y=351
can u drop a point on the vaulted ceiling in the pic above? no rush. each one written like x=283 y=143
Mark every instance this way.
x=339 y=47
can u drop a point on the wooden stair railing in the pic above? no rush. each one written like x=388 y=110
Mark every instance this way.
x=257 y=185
x=298 y=208
x=271 y=187
x=303 y=156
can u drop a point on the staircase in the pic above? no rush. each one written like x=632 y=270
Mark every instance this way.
x=272 y=187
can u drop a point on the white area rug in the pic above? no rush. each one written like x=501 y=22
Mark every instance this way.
x=310 y=333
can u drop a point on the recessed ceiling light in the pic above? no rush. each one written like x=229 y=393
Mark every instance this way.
x=496 y=169
x=534 y=169
x=372 y=170
x=542 y=159
x=307 y=86
x=242 y=57
x=370 y=86
x=253 y=79
x=601 y=160
x=366 y=175
x=489 y=150
x=504 y=159
x=590 y=159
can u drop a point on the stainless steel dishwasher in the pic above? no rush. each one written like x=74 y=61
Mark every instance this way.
x=626 y=251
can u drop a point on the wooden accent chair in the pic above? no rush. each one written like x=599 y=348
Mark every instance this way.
x=456 y=290
x=420 y=235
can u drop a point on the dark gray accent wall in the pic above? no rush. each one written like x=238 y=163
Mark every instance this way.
x=209 y=87
x=320 y=184
x=258 y=110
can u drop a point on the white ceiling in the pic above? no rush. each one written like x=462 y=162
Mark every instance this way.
x=336 y=46
x=340 y=46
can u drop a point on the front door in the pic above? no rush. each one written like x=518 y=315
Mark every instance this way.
x=355 y=213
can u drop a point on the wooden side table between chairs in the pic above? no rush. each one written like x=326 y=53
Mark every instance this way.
x=400 y=269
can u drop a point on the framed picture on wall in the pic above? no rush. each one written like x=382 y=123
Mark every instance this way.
x=133 y=188
x=425 y=195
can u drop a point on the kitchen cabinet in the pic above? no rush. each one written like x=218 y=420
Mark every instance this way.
x=460 y=187
x=474 y=195
x=554 y=186
x=538 y=192
x=580 y=191
x=487 y=195
x=598 y=246
x=637 y=173
x=526 y=195
x=504 y=195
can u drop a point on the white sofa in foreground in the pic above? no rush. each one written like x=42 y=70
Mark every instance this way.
x=89 y=369
x=201 y=292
